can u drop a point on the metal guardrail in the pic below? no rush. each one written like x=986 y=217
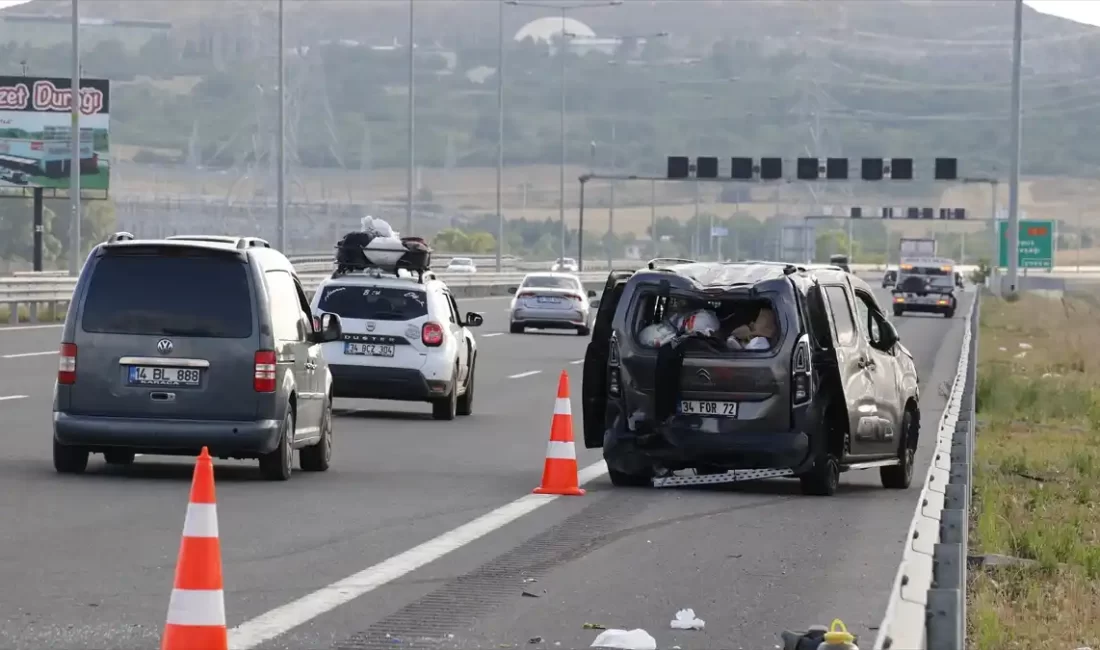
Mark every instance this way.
x=927 y=606
x=55 y=290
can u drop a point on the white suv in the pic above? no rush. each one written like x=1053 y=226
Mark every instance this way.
x=403 y=339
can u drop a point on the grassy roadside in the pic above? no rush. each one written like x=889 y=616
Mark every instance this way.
x=25 y=314
x=1037 y=476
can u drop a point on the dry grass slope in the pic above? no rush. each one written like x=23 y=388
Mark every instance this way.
x=1037 y=476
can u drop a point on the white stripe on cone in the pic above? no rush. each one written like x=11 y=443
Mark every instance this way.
x=562 y=406
x=194 y=607
x=201 y=520
x=561 y=450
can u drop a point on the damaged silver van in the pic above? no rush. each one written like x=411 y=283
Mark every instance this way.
x=752 y=366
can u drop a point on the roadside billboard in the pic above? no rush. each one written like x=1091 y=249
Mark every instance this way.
x=36 y=134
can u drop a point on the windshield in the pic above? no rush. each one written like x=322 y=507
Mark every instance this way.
x=549 y=282
x=198 y=296
x=373 y=303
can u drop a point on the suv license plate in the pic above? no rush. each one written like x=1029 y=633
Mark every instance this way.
x=368 y=349
x=721 y=409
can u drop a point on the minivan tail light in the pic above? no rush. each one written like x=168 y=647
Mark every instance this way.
x=66 y=364
x=263 y=380
x=801 y=372
x=431 y=334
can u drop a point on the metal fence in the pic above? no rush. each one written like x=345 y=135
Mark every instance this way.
x=927 y=606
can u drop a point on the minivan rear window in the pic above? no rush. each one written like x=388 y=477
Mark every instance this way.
x=201 y=296
x=373 y=303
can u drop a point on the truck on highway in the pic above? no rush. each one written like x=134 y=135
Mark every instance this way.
x=917 y=247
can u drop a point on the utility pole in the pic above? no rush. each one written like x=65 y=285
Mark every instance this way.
x=412 y=130
x=500 y=131
x=280 y=174
x=74 y=164
x=1014 y=175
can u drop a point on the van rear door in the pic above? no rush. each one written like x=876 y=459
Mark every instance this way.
x=167 y=332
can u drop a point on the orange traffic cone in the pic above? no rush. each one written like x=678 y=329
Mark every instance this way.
x=196 y=611
x=560 y=473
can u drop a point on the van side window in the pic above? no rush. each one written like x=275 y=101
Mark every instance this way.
x=286 y=310
x=842 y=314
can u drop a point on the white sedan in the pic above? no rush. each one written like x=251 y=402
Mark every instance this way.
x=550 y=301
x=461 y=265
x=565 y=265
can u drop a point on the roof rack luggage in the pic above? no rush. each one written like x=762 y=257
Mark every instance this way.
x=354 y=253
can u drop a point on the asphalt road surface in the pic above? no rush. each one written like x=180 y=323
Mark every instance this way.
x=86 y=562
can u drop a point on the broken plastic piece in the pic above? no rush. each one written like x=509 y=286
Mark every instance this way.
x=636 y=639
x=686 y=620
x=594 y=626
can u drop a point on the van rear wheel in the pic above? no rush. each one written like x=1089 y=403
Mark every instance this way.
x=823 y=479
x=69 y=460
x=276 y=464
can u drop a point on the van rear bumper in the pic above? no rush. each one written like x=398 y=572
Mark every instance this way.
x=171 y=437
x=677 y=448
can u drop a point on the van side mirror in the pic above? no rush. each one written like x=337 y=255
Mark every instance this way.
x=474 y=319
x=330 y=328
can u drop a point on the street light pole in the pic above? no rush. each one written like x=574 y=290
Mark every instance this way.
x=280 y=175
x=412 y=129
x=74 y=164
x=561 y=187
x=1014 y=174
x=500 y=131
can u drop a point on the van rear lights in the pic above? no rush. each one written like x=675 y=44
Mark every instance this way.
x=263 y=378
x=66 y=364
x=614 y=376
x=899 y=299
x=432 y=335
x=801 y=371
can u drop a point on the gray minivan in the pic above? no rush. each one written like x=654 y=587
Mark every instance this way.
x=174 y=344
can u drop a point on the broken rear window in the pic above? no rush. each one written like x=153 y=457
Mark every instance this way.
x=725 y=324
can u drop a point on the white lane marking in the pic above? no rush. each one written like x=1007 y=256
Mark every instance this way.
x=282 y=619
x=20 y=328
x=7 y=398
x=487 y=336
x=524 y=374
x=27 y=354
x=577 y=362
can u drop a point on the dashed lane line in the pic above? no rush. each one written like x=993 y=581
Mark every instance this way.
x=524 y=374
x=489 y=336
x=280 y=620
x=20 y=328
x=577 y=362
x=8 y=398
x=27 y=354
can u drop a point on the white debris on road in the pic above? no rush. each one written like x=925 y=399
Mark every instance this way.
x=685 y=620
x=637 y=639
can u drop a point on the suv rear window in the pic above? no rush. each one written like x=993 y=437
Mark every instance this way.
x=200 y=296
x=373 y=303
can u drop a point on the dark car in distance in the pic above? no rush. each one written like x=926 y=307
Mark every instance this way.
x=833 y=390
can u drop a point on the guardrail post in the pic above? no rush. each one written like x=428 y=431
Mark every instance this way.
x=13 y=318
x=32 y=311
x=941 y=625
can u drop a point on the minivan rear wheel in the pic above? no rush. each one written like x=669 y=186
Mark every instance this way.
x=900 y=476
x=118 y=457
x=276 y=464
x=823 y=479
x=69 y=460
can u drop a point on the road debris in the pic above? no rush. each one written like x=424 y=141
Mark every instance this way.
x=636 y=639
x=686 y=620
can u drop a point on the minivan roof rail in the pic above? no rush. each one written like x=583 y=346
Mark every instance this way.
x=120 y=236
x=239 y=242
x=652 y=264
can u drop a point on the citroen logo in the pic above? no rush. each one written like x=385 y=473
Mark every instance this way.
x=703 y=374
x=164 y=346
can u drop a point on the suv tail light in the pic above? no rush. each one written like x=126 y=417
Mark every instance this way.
x=263 y=380
x=431 y=334
x=66 y=364
x=801 y=372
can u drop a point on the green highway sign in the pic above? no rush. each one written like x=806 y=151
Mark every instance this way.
x=1036 y=239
